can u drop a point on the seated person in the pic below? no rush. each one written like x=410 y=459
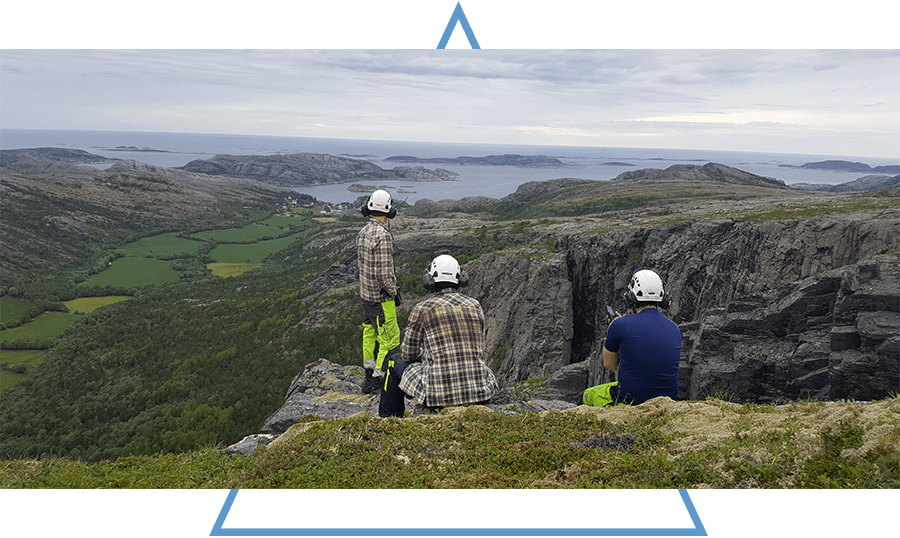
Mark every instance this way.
x=441 y=360
x=644 y=348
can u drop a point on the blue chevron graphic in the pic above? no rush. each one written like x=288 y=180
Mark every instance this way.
x=697 y=530
x=460 y=17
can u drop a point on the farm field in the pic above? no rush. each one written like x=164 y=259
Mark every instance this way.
x=150 y=261
x=15 y=362
x=247 y=234
x=161 y=246
x=12 y=309
x=226 y=270
x=86 y=305
x=44 y=327
x=253 y=253
x=130 y=272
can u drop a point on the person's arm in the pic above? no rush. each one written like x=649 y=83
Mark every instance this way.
x=613 y=336
x=384 y=265
x=610 y=360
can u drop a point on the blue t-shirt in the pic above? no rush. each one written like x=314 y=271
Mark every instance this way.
x=649 y=347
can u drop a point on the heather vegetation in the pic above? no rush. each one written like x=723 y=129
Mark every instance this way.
x=661 y=444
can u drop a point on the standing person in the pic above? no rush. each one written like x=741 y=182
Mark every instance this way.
x=644 y=348
x=378 y=288
x=441 y=360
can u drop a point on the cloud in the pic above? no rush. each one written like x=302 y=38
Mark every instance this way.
x=680 y=97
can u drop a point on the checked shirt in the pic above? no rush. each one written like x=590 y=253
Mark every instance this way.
x=375 y=254
x=444 y=346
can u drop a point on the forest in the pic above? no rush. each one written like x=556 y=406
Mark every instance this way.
x=197 y=361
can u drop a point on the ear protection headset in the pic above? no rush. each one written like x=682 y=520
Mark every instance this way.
x=462 y=280
x=631 y=301
x=379 y=199
x=368 y=212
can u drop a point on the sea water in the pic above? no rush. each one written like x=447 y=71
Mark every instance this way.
x=173 y=150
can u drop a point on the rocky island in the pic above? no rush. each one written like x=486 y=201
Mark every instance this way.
x=847 y=166
x=490 y=160
x=308 y=169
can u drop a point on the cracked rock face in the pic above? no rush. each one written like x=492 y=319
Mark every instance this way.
x=832 y=336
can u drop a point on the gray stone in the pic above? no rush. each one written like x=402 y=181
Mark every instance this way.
x=841 y=338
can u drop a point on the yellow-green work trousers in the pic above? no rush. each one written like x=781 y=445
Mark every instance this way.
x=381 y=333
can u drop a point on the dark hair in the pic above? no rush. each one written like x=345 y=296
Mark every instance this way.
x=438 y=286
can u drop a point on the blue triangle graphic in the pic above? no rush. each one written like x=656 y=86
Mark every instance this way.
x=458 y=16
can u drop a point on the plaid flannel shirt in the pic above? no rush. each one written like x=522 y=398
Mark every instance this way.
x=375 y=254
x=444 y=344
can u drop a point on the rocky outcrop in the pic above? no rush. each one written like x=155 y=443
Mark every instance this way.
x=298 y=169
x=832 y=336
x=769 y=312
x=322 y=390
x=847 y=166
x=865 y=183
x=325 y=390
x=708 y=172
x=14 y=157
x=546 y=309
x=545 y=306
x=705 y=264
x=420 y=173
x=287 y=170
x=490 y=160
x=527 y=298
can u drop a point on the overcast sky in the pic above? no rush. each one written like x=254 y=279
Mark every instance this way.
x=834 y=102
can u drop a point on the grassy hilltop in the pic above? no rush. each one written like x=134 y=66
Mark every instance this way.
x=158 y=332
x=660 y=444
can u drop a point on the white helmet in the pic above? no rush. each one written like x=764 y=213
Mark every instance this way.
x=645 y=287
x=380 y=202
x=445 y=269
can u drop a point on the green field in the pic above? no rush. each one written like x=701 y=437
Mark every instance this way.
x=132 y=272
x=12 y=309
x=86 y=305
x=247 y=234
x=226 y=270
x=14 y=365
x=252 y=253
x=162 y=245
x=44 y=327
x=280 y=221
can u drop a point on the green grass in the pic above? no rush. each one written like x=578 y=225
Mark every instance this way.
x=253 y=253
x=130 y=272
x=12 y=309
x=280 y=221
x=661 y=444
x=226 y=270
x=44 y=327
x=86 y=305
x=164 y=245
x=14 y=365
x=247 y=234
x=813 y=210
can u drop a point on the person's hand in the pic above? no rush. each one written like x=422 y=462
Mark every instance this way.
x=398 y=299
x=611 y=315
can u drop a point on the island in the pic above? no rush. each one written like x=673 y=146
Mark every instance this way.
x=489 y=160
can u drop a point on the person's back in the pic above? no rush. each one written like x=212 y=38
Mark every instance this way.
x=649 y=348
x=643 y=348
x=441 y=359
x=446 y=333
x=378 y=288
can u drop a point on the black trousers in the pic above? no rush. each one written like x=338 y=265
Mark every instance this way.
x=391 y=403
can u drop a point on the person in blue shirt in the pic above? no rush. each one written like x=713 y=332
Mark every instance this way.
x=644 y=348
